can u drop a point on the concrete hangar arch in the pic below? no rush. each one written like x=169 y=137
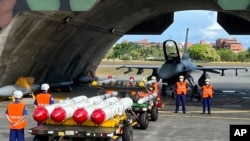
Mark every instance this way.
x=58 y=40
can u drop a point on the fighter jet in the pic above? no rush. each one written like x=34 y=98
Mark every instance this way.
x=175 y=65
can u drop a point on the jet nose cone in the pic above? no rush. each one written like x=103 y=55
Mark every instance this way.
x=167 y=71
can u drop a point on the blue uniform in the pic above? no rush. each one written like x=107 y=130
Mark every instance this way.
x=17 y=135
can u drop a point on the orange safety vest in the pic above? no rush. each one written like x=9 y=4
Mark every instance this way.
x=43 y=99
x=109 y=91
x=207 y=91
x=15 y=113
x=181 y=88
x=142 y=94
x=133 y=92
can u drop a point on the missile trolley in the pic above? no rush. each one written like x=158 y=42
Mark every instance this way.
x=101 y=117
x=145 y=104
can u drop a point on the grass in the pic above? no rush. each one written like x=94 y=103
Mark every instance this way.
x=109 y=67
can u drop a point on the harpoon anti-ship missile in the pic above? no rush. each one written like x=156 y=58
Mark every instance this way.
x=83 y=114
x=41 y=114
x=60 y=114
x=100 y=115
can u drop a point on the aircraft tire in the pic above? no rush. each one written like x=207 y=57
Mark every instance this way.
x=144 y=120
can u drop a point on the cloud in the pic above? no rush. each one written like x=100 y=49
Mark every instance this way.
x=212 y=31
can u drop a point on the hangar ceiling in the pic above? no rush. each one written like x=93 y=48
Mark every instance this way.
x=59 y=40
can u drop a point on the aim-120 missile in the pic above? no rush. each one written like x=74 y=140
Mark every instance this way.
x=147 y=98
x=41 y=114
x=82 y=114
x=60 y=114
x=100 y=115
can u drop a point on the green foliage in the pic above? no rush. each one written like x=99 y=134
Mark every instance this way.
x=227 y=55
x=203 y=52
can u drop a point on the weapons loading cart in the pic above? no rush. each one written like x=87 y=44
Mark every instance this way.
x=111 y=130
x=140 y=112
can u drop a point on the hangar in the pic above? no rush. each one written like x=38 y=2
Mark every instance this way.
x=58 y=40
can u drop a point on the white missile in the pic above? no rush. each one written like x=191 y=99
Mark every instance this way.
x=151 y=81
x=84 y=112
x=8 y=90
x=41 y=114
x=147 y=98
x=99 y=115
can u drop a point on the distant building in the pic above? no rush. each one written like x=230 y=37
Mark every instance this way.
x=232 y=44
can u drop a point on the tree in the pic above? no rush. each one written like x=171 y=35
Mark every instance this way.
x=227 y=55
x=203 y=52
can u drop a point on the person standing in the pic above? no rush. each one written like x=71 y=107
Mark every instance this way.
x=44 y=98
x=207 y=94
x=16 y=115
x=181 y=88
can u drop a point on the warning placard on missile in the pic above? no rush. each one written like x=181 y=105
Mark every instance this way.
x=239 y=132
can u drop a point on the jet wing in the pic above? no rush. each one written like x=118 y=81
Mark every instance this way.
x=139 y=67
x=222 y=69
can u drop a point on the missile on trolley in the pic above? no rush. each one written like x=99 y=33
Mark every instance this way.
x=150 y=82
x=83 y=114
x=100 y=115
x=147 y=98
x=41 y=114
x=107 y=81
x=60 y=114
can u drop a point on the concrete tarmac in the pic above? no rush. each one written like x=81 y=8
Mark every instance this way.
x=230 y=106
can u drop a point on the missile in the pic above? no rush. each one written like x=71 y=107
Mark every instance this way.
x=147 y=98
x=84 y=113
x=99 y=115
x=151 y=81
x=8 y=90
x=60 y=114
x=41 y=114
x=107 y=81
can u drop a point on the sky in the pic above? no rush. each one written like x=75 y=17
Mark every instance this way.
x=202 y=26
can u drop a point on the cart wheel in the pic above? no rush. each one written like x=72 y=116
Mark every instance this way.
x=127 y=134
x=144 y=120
x=41 y=138
x=154 y=113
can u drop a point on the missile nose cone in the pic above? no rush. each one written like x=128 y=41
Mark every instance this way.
x=40 y=114
x=58 y=114
x=98 y=116
x=80 y=116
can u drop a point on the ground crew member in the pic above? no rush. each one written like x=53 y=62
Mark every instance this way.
x=112 y=81
x=16 y=115
x=44 y=98
x=207 y=94
x=181 y=88
x=156 y=89
x=131 y=83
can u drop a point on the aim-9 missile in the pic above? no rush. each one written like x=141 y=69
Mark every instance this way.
x=147 y=98
x=82 y=114
x=41 y=114
x=99 y=115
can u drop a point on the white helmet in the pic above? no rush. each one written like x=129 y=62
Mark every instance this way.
x=18 y=94
x=153 y=78
x=45 y=87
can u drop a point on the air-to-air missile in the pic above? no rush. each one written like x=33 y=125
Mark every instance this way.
x=100 y=115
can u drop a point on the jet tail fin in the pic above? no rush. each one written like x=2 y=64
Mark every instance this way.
x=185 y=53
